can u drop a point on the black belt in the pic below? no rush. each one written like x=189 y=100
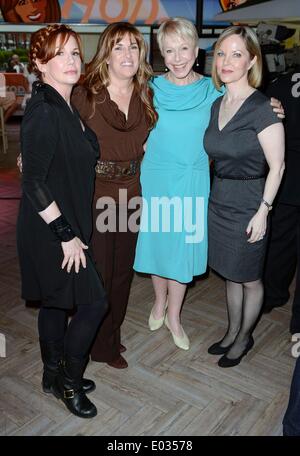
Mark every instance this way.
x=239 y=177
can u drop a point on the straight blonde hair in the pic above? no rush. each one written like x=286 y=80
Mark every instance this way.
x=252 y=45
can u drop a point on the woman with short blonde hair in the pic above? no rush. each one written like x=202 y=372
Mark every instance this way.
x=252 y=45
x=177 y=26
x=176 y=166
x=246 y=141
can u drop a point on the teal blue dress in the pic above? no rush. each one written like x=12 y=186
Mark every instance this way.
x=172 y=241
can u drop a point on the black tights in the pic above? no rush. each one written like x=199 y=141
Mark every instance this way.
x=244 y=302
x=79 y=334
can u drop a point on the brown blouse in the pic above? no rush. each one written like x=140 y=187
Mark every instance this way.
x=119 y=139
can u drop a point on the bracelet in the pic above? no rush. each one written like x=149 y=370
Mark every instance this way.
x=269 y=206
x=62 y=230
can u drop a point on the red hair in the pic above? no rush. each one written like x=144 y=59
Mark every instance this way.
x=43 y=45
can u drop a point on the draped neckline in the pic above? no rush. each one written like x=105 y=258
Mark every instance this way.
x=170 y=96
x=117 y=118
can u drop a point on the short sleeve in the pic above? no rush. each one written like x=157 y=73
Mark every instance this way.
x=39 y=136
x=80 y=101
x=214 y=107
x=264 y=116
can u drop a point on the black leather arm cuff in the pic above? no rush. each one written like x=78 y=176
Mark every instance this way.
x=61 y=228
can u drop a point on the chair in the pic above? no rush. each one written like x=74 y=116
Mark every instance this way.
x=3 y=134
x=16 y=82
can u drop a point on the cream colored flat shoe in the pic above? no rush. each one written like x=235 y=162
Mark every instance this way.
x=180 y=342
x=156 y=324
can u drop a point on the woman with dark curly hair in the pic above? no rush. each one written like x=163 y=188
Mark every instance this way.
x=30 y=11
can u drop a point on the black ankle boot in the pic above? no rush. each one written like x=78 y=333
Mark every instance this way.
x=67 y=386
x=52 y=354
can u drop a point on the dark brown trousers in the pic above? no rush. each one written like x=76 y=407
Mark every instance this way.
x=114 y=253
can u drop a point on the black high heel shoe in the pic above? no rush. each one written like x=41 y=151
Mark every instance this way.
x=230 y=362
x=217 y=349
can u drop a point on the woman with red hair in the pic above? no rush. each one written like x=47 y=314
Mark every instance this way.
x=59 y=155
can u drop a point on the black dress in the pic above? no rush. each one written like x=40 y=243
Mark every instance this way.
x=58 y=165
x=233 y=201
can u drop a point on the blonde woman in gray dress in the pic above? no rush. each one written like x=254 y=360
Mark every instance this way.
x=244 y=135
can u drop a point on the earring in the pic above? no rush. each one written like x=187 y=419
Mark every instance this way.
x=166 y=69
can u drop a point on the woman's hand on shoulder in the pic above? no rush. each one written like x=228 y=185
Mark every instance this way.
x=277 y=108
x=74 y=254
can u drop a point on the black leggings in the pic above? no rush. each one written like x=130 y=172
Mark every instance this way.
x=79 y=334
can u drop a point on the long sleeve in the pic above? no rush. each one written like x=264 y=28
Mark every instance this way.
x=39 y=136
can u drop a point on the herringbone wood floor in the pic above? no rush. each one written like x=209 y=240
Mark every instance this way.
x=165 y=391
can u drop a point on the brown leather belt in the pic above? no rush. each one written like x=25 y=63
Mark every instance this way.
x=111 y=169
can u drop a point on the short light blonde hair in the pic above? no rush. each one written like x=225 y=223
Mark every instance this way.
x=252 y=45
x=177 y=26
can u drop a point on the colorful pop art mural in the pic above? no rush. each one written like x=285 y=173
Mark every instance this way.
x=96 y=11
x=30 y=11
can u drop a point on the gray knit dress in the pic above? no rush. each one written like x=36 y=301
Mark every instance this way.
x=237 y=189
